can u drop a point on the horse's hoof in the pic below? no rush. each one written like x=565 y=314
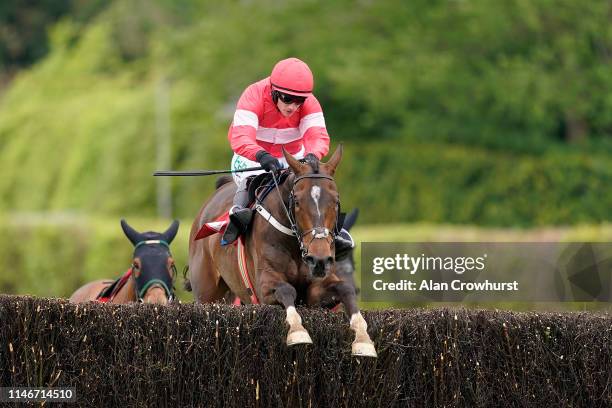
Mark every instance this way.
x=364 y=350
x=298 y=337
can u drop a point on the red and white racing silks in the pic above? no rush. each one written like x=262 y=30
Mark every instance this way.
x=259 y=125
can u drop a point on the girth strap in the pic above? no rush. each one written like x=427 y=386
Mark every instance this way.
x=244 y=271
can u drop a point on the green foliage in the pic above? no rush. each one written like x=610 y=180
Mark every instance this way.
x=471 y=105
x=23 y=27
x=437 y=183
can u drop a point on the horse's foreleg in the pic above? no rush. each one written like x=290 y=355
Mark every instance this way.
x=362 y=345
x=285 y=294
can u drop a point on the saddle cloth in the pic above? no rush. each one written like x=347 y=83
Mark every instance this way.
x=107 y=294
x=213 y=227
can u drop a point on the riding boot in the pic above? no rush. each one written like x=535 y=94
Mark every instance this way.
x=239 y=215
x=344 y=244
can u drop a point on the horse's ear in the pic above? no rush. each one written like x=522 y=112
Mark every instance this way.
x=296 y=166
x=170 y=233
x=332 y=163
x=350 y=219
x=133 y=235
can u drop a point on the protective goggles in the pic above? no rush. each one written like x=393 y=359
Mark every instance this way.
x=289 y=99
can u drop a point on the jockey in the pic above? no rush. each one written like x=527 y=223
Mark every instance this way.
x=275 y=112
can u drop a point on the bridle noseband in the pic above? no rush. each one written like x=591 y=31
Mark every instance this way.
x=317 y=232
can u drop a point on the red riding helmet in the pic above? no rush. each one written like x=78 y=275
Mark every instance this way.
x=292 y=76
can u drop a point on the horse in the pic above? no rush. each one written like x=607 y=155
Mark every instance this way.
x=288 y=251
x=345 y=263
x=149 y=279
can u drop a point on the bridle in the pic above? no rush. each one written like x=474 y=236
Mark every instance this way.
x=167 y=287
x=318 y=232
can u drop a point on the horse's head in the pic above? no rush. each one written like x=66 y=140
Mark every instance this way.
x=315 y=204
x=152 y=264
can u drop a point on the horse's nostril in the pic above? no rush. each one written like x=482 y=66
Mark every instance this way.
x=309 y=259
x=318 y=266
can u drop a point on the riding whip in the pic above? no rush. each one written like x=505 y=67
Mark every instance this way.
x=202 y=172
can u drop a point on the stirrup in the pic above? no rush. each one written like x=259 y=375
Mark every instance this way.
x=230 y=235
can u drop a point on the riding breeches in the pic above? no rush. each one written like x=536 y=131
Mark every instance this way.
x=240 y=162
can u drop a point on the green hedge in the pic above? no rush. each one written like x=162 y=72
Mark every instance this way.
x=441 y=183
x=224 y=356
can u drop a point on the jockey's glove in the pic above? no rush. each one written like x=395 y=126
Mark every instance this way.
x=267 y=161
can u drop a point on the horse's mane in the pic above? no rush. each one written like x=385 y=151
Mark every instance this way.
x=223 y=180
x=314 y=165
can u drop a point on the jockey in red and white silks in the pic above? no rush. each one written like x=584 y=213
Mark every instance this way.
x=277 y=112
x=274 y=113
x=260 y=125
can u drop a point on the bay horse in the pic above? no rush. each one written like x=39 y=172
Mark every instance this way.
x=288 y=251
x=345 y=262
x=150 y=278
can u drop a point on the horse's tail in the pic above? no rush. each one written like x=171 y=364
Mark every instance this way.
x=186 y=281
x=223 y=180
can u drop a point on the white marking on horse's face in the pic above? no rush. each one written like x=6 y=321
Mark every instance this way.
x=315 y=193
